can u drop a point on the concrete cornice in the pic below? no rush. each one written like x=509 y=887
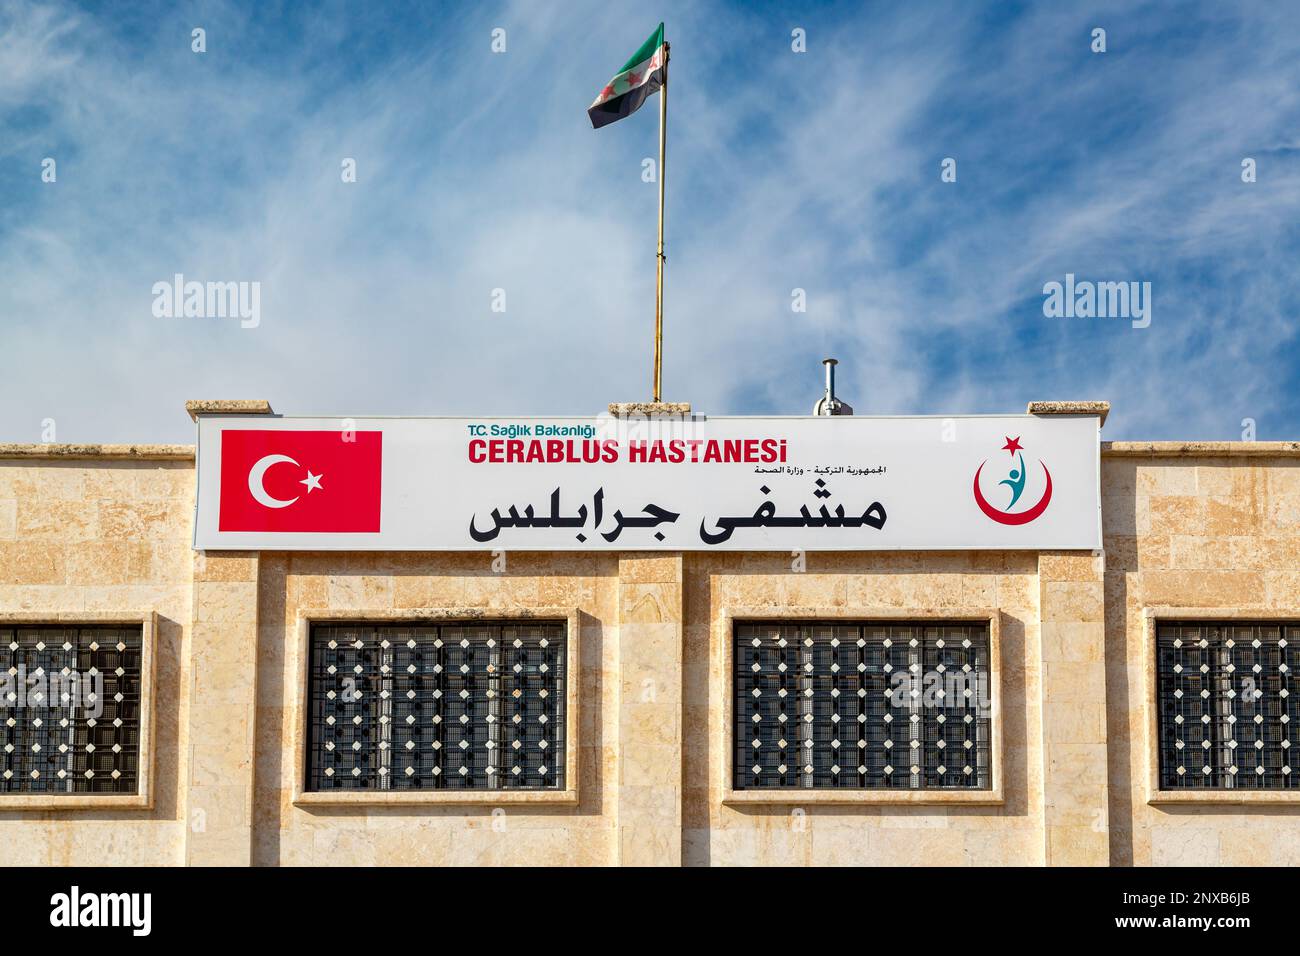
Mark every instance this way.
x=1200 y=449
x=1101 y=409
x=112 y=452
x=228 y=406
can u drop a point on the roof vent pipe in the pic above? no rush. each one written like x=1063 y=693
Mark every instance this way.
x=828 y=404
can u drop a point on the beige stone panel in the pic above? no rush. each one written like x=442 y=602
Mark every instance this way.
x=1078 y=803
x=106 y=842
x=485 y=846
x=109 y=562
x=979 y=590
x=291 y=848
x=1254 y=553
x=911 y=847
x=311 y=592
x=27 y=840
x=1231 y=516
x=1185 y=846
x=814 y=590
x=502 y=592
x=221 y=679
x=1178 y=479
x=218 y=807
x=846 y=817
x=914 y=818
x=1124 y=515
x=1075 y=723
x=343 y=846
x=169 y=561
x=359 y=591
x=1003 y=847
x=226 y=751
x=1280 y=476
x=1259 y=846
x=1071 y=642
x=225 y=847
x=1229 y=480
x=1068 y=568
x=648 y=805
x=1071 y=601
x=8 y=518
x=650 y=570
x=430 y=848
x=55 y=519
x=1176 y=514
x=65 y=480
x=906 y=590
x=31 y=562
x=1016 y=592
x=657 y=766
x=650 y=604
x=170 y=599
x=1077 y=846
x=225 y=602
x=736 y=846
x=1283 y=513
x=1075 y=682
x=52 y=598
x=1226 y=589
x=567 y=591
x=1281 y=590
x=768 y=846
x=749 y=590
x=1197 y=552
x=142 y=518
x=218 y=566
x=157 y=480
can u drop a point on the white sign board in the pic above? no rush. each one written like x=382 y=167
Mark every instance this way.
x=694 y=484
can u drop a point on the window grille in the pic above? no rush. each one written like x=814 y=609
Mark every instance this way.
x=70 y=709
x=473 y=706
x=862 y=706
x=1226 y=709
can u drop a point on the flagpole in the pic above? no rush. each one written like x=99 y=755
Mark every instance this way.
x=659 y=270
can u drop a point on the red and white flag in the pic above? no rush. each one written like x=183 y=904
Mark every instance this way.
x=300 y=481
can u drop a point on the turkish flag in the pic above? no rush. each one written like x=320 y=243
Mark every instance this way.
x=300 y=480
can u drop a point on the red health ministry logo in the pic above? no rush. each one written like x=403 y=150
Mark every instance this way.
x=1015 y=483
x=312 y=481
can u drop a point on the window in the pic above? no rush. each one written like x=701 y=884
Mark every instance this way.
x=70 y=709
x=463 y=706
x=862 y=706
x=1226 y=709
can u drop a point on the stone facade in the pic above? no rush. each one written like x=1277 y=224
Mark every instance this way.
x=107 y=529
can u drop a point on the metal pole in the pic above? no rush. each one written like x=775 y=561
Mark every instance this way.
x=659 y=270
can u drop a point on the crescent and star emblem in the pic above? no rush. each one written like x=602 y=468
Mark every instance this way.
x=257 y=475
x=1015 y=482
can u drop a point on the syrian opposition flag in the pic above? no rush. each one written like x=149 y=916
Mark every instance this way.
x=640 y=76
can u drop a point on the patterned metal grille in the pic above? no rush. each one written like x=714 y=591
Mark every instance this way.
x=70 y=709
x=1227 y=711
x=871 y=706
x=437 y=707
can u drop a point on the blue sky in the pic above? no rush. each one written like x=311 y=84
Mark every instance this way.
x=817 y=171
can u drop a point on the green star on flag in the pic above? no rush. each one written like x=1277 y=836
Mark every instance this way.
x=640 y=76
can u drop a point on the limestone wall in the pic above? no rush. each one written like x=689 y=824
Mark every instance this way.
x=112 y=533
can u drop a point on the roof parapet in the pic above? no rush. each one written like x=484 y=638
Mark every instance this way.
x=1101 y=409
x=228 y=406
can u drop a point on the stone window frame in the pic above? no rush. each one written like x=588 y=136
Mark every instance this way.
x=721 y=689
x=1153 y=616
x=301 y=711
x=143 y=798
